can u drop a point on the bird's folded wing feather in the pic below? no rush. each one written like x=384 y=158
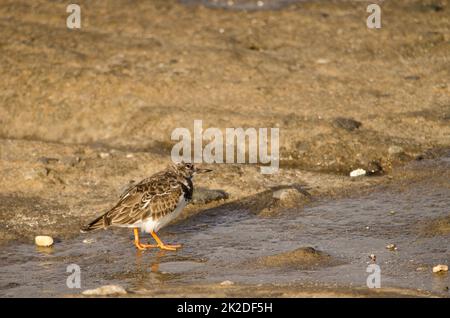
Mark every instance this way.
x=149 y=198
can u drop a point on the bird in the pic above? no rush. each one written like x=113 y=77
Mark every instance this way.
x=151 y=204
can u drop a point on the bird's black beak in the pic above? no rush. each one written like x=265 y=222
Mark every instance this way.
x=200 y=170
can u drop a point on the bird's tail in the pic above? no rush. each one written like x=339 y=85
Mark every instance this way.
x=99 y=223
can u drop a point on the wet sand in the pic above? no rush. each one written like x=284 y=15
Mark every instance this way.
x=321 y=249
x=85 y=112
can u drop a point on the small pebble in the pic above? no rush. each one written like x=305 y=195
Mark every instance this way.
x=36 y=173
x=284 y=194
x=104 y=155
x=348 y=124
x=395 y=150
x=227 y=283
x=70 y=160
x=373 y=257
x=105 y=291
x=374 y=168
x=357 y=173
x=391 y=247
x=440 y=268
x=43 y=240
x=322 y=61
x=89 y=241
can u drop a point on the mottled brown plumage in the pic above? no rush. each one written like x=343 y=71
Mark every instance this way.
x=151 y=203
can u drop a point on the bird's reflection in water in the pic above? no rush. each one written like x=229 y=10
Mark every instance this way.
x=155 y=261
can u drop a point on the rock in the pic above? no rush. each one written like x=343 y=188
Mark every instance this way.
x=227 y=283
x=89 y=241
x=70 y=160
x=374 y=168
x=286 y=194
x=43 y=240
x=440 y=268
x=358 y=173
x=107 y=290
x=322 y=61
x=36 y=173
x=412 y=77
x=373 y=257
x=395 y=150
x=391 y=247
x=348 y=124
x=46 y=160
x=104 y=155
x=301 y=258
x=203 y=195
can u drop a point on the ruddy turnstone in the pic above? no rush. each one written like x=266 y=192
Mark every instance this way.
x=151 y=204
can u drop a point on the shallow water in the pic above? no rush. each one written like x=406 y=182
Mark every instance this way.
x=249 y=5
x=220 y=245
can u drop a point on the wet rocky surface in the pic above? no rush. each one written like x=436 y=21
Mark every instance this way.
x=86 y=113
x=321 y=248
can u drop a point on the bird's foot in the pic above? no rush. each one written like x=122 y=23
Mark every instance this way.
x=168 y=247
x=142 y=247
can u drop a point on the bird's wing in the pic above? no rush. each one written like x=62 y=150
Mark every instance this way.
x=152 y=197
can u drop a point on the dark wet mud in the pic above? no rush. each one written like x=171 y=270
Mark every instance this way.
x=326 y=245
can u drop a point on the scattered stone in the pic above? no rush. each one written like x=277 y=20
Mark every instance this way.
x=203 y=195
x=70 y=160
x=43 y=240
x=391 y=247
x=357 y=173
x=227 y=283
x=322 y=61
x=47 y=160
x=89 y=241
x=36 y=173
x=440 y=268
x=392 y=212
x=300 y=258
x=286 y=194
x=374 y=168
x=129 y=155
x=348 y=124
x=412 y=77
x=395 y=150
x=107 y=290
x=104 y=155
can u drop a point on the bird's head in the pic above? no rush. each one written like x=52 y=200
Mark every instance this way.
x=187 y=170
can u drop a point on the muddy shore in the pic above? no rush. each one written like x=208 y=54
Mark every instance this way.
x=84 y=113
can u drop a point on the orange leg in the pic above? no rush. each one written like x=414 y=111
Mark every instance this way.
x=163 y=246
x=138 y=244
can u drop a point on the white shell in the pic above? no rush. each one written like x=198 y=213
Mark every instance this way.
x=42 y=240
x=440 y=268
x=357 y=173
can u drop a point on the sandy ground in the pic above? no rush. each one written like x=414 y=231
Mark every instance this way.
x=84 y=112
